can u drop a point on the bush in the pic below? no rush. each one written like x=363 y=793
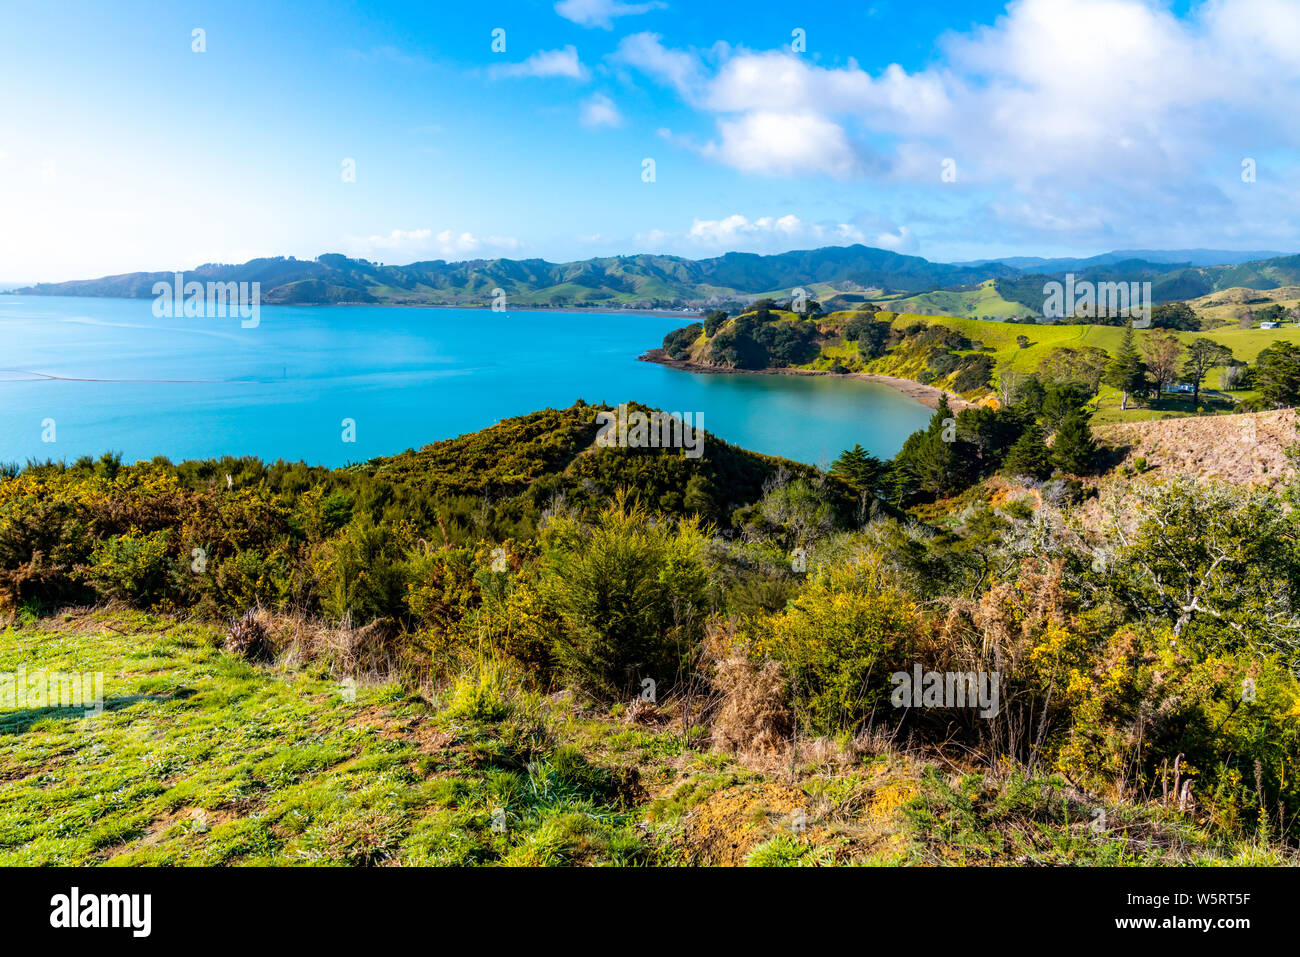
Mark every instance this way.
x=248 y=638
x=362 y=572
x=132 y=567
x=485 y=693
x=631 y=595
x=754 y=715
x=839 y=642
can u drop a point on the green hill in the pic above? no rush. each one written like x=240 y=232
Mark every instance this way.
x=643 y=280
x=960 y=355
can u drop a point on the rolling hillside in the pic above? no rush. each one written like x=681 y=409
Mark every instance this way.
x=903 y=283
x=644 y=280
x=965 y=357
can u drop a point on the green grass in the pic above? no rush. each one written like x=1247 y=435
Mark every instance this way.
x=1245 y=344
x=982 y=300
x=201 y=758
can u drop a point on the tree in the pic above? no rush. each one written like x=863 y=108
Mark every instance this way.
x=988 y=434
x=677 y=344
x=1084 y=365
x=1233 y=375
x=1029 y=456
x=936 y=460
x=1060 y=402
x=870 y=334
x=630 y=596
x=1010 y=382
x=1162 y=350
x=1073 y=449
x=1277 y=374
x=1127 y=372
x=1029 y=395
x=1215 y=561
x=1202 y=356
x=697 y=498
x=713 y=322
x=1175 y=315
x=1022 y=342
x=860 y=469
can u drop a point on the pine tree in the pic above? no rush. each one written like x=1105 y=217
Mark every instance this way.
x=1202 y=356
x=1127 y=372
x=1073 y=449
x=860 y=469
x=939 y=462
x=1029 y=455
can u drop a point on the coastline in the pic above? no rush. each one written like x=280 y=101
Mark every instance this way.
x=606 y=310
x=927 y=395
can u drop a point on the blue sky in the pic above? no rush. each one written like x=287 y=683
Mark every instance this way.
x=1072 y=127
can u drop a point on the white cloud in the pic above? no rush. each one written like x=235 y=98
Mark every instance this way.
x=785 y=144
x=725 y=232
x=599 y=110
x=420 y=243
x=1099 y=109
x=762 y=234
x=680 y=69
x=601 y=13
x=546 y=63
x=900 y=240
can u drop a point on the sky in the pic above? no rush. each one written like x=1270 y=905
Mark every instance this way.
x=148 y=136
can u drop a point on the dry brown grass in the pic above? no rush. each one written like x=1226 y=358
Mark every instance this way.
x=754 y=716
x=1246 y=449
x=373 y=653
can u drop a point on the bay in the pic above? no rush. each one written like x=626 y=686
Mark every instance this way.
x=106 y=374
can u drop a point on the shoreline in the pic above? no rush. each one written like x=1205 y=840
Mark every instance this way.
x=606 y=310
x=927 y=395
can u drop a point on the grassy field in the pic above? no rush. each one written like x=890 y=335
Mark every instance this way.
x=200 y=757
x=1001 y=338
x=984 y=300
x=1226 y=305
x=1245 y=344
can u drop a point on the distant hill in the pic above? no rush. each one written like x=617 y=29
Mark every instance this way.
x=1190 y=257
x=991 y=289
x=1182 y=281
x=644 y=280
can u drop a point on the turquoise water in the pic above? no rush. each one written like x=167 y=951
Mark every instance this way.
x=198 y=388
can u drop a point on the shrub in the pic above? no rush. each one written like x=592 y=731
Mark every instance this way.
x=839 y=642
x=362 y=572
x=248 y=638
x=630 y=593
x=754 y=715
x=132 y=567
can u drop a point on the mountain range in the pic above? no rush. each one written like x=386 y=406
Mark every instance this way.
x=853 y=273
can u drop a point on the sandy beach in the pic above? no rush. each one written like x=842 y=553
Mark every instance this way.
x=927 y=395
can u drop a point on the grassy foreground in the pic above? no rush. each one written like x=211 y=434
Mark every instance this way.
x=203 y=758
